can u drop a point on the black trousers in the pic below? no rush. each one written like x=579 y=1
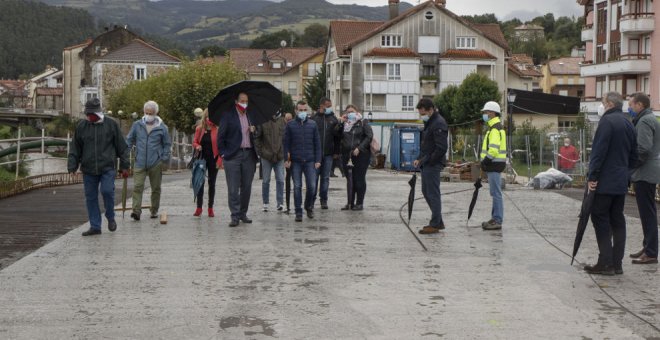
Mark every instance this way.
x=360 y=166
x=610 y=226
x=645 y=196
x=212 y=175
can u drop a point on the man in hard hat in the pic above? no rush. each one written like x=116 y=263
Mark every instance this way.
x=493 y=161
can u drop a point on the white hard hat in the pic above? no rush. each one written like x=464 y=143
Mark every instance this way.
x=492 y=106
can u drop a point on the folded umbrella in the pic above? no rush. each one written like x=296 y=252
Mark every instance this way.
x=264 y=101
x=475 y=194
x=198 y=175
x=585 y=213
x=124 y=190
x=411 y=200
x=349 y=183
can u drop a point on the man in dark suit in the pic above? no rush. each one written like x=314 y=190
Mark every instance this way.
x=613 y=154
x=236 y=147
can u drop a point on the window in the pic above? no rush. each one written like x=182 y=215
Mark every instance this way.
x=390 y=41
x=408 y=103
x=615 y=50
x=313 y=69
x=293 y=88
x=277 y=65
x=428 y=15
x=602 y=20
x=466 y=43
x=394 y=71
x=140 y=72
x=428 y=70
x=600 y=54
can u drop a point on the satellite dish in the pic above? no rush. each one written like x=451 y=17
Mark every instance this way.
x=283 y=43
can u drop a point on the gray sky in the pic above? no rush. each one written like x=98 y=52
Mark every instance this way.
x=503 y=9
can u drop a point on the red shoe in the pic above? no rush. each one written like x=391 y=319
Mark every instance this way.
x=211 y=214
x=198 y=212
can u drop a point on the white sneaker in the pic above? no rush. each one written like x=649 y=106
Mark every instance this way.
x=265 y=207
x=280 y=208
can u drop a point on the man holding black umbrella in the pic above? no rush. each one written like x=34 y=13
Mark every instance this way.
x=613 y=154
x=431 y=161
x=236 y=147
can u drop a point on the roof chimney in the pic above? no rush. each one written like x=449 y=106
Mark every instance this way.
x=394 y=8
x=442 y=3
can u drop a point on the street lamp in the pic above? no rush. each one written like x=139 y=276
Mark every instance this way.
x=370 y=116
x=134 y=115
x=511 y=97
x=198 y=112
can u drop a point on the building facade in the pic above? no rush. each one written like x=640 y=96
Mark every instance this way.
x=523 y=74
x=385 y=67
x=622 y=50
x=562 y=77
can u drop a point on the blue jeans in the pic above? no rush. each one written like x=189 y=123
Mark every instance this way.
x=266 y=167
x=324 y=173
x=495 y=185
x=431 y=192
x=91 y=185
x=297 y=169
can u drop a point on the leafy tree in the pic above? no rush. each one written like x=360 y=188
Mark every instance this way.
x=488 y=18
x=272 y=40
x=475 y=90
x=315 y=35
x=444 y=101
x=178 y=91
x=316 y=89
x=287 y=103
x=212 y=51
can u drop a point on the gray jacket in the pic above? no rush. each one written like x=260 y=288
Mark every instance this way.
x=648 y=148
x=151 y=147
x=268 y=140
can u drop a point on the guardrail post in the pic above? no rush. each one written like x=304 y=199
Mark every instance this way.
x=18 y=149
x=43 y=151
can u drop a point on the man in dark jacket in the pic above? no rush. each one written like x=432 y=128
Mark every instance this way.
x=646 y=176
x=613 y=154
x=302 y=145
x=326 y=123
x=97 y=143
x=268 y=140
x=236 y=147
x=431 y=161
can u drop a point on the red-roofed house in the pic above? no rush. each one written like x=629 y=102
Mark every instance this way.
x=287 y=68
x=386 y=67
x=523 y=74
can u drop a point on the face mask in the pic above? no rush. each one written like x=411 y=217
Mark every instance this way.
x=244 y=106
x=149 y=118
x=352 y=116
x=601 y=110
x=302 y=115
x=567 y=144
x=632 y=112
x=93 y=118
x=425 y=118
x=328 y=111
x=485 y=117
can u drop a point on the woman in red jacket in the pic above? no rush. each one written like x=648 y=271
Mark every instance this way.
x=206 y=142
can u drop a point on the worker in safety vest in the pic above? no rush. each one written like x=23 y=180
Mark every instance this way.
x=493 y=161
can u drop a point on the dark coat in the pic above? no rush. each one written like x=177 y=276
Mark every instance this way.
x=359 y=137
x=613 y=153
x=434 y=142
x=302 y=142
x=327 y=132
x=96 y=147
x=268 y=139
x=230 y=135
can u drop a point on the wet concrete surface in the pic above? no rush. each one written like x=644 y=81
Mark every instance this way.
x=342 y=275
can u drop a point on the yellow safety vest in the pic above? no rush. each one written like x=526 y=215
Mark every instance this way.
x=494 y=145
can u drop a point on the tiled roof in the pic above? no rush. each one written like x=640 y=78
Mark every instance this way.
x=248 y=59
x=524 y=72
x=467 y=54
x=139 y=51
x=521 y=58
x=87 y=42
x=494 y=33
x=49 y=91
x=568 y=65
x=490 y=31
x=392 y=53
x=344 y=32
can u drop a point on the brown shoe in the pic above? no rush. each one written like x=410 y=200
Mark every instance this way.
x=645 y=260
x=637 y=254
x=431 y=229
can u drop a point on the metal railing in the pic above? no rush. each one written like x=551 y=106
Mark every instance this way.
x=12 y=188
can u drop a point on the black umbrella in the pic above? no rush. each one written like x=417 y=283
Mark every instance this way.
x=264 y=101
x=475 y=194
x=288 y=190
x=583 y=220
x=349 y=183
x=411 y=196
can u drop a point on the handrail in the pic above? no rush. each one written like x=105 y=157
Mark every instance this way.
x=637 y=15
x=22 y=185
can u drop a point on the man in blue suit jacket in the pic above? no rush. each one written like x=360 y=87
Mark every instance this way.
x=236 y=147
x=613 y=155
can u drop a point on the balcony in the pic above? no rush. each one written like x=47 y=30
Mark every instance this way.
x=377 y=77
x=637 y=23
x=588 y=33
x=626 y=64
x=376 y=108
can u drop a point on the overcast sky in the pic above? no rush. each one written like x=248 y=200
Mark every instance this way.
x=503 y=9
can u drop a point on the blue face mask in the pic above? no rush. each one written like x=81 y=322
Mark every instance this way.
x=352 y=117
x=302 y=115
x=425 y=118
x=328 y=111
x=485 y=117
x=632 y=112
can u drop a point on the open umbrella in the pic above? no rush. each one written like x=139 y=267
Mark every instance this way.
x=124 y=189
x=264 y=101
x=198 y=174
x=475 y=194
x=585 y=212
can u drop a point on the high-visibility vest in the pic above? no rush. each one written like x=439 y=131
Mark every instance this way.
x=494 y=145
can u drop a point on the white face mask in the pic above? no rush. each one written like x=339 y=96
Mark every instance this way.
x=149 y=118
x=567 y=144
x=244 y=106
x=601 y=110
